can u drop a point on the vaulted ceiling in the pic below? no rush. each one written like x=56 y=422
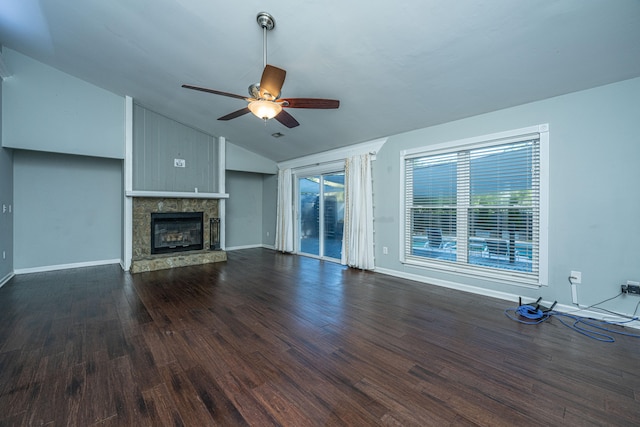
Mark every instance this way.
x=395 y=66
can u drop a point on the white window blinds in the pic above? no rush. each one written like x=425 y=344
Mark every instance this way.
x=476 y=207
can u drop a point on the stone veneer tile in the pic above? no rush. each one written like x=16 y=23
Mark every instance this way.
x=179 y=259
x=143 y=260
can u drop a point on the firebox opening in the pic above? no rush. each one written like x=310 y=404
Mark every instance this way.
x=176 y=232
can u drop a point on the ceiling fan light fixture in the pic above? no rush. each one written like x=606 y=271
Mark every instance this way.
x=264 y=109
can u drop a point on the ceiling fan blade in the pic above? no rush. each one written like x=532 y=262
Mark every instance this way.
x=287 y=119
x=317 y=103
x=272 y=81
x=235 y=114
x=215 y=92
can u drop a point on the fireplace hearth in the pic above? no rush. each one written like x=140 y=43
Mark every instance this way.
x=176 y=232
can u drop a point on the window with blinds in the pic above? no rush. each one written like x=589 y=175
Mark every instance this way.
x=476 y=208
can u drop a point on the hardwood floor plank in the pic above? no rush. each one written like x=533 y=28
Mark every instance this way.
x=185 y=397
x=221 y=409
x=156 y=341
x=144 y=368
x=245 y=401
x=167 y=413
x=98 y=398
x=268 y=339
x=280 y=407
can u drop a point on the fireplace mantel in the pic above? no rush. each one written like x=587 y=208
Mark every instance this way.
x=176 y=195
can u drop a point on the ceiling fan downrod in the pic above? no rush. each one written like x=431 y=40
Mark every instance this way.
x=267 y=23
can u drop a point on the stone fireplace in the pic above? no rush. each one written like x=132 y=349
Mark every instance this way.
x=182 y=241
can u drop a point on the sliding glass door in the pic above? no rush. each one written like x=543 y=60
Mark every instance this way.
x=321 y=214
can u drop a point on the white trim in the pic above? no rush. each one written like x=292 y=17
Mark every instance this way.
x=177 y=195
x=296 y=176
x=319 y=169
x=127 y=217
x=506 y=296
x=222 y=165
x=448 y=284
x=222 y=188
x=128 y=143
x=540 y=132
x=238 y=248
x=260 y=245
x=585 y=312
x=66 y=266
x=506 y=277
x=402 y=210
x=543 y=237
x=6 y=278
x=295 y=185
x=490 y=139
x=335 y=155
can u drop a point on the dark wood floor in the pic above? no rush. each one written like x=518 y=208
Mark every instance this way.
x=271 y=339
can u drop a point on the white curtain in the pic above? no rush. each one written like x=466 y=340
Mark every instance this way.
x=357 y=243
x=284 y=225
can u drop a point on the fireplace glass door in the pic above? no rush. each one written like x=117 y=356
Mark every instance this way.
x=176 y=232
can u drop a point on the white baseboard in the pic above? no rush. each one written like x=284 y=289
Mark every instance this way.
x=237 y=248
x=567 y=309
x=65 y=266
x=448 y=284
x=6 y=278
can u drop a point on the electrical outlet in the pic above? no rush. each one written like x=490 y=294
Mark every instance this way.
x=179 y=163
x=631 y=288
x=576 y=277
x=385 y=250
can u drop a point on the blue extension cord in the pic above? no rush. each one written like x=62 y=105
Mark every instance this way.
x=536 y=316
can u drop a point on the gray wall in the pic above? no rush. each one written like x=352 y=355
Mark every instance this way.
x=250 y=178
x=269 y=208
x=250 y=209
x=81 y=195
x=68 y=141
x=47 y=110
x=239 y=159
x=594 y=201
x=244 y=209
x=68 y=209
x=6 y=198
x=158 y=141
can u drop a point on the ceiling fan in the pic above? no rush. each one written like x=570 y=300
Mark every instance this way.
x=264 y=100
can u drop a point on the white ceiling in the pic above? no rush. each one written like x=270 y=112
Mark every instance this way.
x=395 y=66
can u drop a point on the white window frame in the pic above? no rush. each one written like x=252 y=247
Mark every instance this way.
x=540 y=131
